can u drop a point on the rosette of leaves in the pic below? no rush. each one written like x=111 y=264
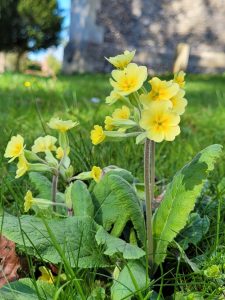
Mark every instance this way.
x=93 y=237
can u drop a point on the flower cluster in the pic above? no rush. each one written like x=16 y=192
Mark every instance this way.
x=29 y=160
x=152 y=108
x=48 y=154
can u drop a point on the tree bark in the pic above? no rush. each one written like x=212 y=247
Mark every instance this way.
x=19 y=56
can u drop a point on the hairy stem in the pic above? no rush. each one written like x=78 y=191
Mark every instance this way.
x=149 y=178
x=54 y=189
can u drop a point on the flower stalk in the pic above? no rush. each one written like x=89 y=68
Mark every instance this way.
x=149 y=179
x=54 y=189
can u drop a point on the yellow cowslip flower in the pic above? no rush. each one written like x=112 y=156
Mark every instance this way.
x=122 y=113
x=96 y=173
x=128 y=80
x=122 y=60
x=27 y=84
x=59 y=153
x=22 y=166
x=179 y=78
x=113 y=97
x=28 y=201
x=160 y=122
x=97 y=135
x=108 y=123
x=61 y=125
x=46 y=143
x=46 y=275
x=179 y=102
x=15 y=147
x=161 y=90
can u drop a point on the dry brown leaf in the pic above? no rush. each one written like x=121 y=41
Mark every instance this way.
x=9 y=261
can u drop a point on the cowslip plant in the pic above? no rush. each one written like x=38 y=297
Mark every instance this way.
x=151 y=113
x=95 y=219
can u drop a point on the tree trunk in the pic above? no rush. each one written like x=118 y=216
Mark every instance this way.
x=19 y=56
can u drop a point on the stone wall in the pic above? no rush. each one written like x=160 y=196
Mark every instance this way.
x=153 y=27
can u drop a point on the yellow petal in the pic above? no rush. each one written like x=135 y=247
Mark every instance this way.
x=171 y=133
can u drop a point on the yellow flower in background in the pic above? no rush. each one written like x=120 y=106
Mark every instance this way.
x=179 y=102
x=59 y=153
x=179 y=78
x=113 y=97
x=128 y=80
x=161 y=90
x=15 y=147
x=46 y=275
x=122 y=113
x=61 y=125
x=122 y=60
x=46 y=143
x=108 y=123
x=160 y=122
x=27 y=84
x=22 y=166
x=97 y=135
x=28 y=201
x=96 y=173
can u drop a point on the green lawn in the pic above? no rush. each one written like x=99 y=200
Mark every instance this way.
x=26 y=111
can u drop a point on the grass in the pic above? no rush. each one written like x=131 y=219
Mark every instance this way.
x=26 y=111
x=81 y=97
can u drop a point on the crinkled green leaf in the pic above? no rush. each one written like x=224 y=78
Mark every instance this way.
x=115 y=245
x=81 y=199
x=75 y=236
x=194 y=230
x=180 y=198
x=116 y=203
x=125 y=174
x=124 y=287
x=44 y=186
x=24 y=289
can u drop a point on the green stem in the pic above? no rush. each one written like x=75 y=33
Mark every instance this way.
x=149 y=179
x=54 y=189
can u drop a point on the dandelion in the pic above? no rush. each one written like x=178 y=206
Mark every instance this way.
x=122 y=60
x=161 y=90
x=61 y=125
x=179 y=78
x=46 y=275
x=108 y=123
x=59 y=153
x=96 y=173
x=122 y=113
x=113 y=97
x=128 y=80
x=97 y=135
x=160 y=122
x=22 y=166
x=179 y=102
x=27 y=84
x=15 y=147
x=28 y=201
x=46 y=143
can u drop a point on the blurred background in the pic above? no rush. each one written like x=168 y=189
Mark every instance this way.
x=74 y=35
